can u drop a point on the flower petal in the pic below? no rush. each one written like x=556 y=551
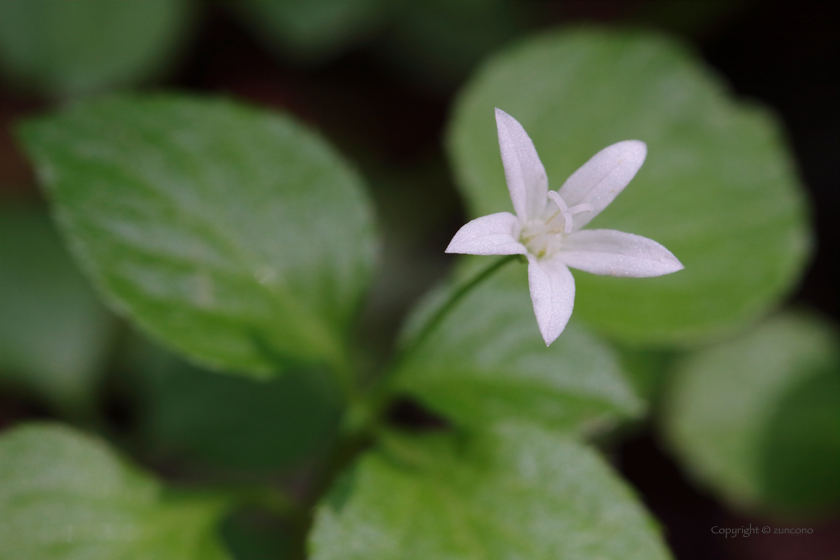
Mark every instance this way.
x=494 y=234
x=602 y=178
x=615 y=253
x=553 y=295
x=524 y=172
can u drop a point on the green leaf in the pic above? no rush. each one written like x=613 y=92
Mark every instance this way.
x=718 y=188
x=70 y=48
x=757 y=418
x=312 y=30
x=234 y=235
x=487 y=363
x=65 y=495
x=646 y=368
x=520 y=493
x=54 y=333
x=228 y=421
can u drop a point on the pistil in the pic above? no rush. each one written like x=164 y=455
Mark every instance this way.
x=543 y=237
x=565 y=211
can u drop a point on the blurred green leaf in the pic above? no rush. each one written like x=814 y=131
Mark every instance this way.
x=62 y=48
x=65 y=495
x=54 y=333
x=520 y=493
x=718 y=188
x=228 y=421
x=757 y=418
x=487 y=363
x=646 y=368
x=235 y=235
x=312 y=30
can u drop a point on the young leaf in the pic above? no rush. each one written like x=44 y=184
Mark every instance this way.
x=72 y=48
x=518 y=493
x=757 y=418
x=487 y=363
x=235 y=235
x=717 y=189
x=54 y=333
x=65 y=495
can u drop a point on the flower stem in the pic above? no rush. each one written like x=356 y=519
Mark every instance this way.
x=434 y=321
x=365 y=418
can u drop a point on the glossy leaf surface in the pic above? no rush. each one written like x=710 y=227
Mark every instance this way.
x=67 y=496
x=520 y=493
x=235 y=235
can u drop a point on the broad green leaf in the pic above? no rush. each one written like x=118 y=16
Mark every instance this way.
x=486 y=363
x=757 y=418
x=230 y=421
x=718 y=187
x=312 y=30
x=520 y=493
x=67 y=496
x=234 y=235
x=69 y=48
x=54 y=333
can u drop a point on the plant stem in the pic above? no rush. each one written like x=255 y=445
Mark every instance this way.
x=365 y=417
x=434 y=321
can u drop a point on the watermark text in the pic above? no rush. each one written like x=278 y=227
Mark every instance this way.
x=732 y=532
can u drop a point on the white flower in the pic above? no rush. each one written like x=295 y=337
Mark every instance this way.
x=547 y=225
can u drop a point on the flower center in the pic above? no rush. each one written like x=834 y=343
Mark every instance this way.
x=544 y=236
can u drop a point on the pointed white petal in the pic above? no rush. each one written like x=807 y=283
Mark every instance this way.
x=494 y=234
x=553 y=295
x=615 y=253
x=600 y=179
x=524 y=172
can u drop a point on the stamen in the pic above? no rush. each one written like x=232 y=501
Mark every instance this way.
x=563 y=209
x=550 y=227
